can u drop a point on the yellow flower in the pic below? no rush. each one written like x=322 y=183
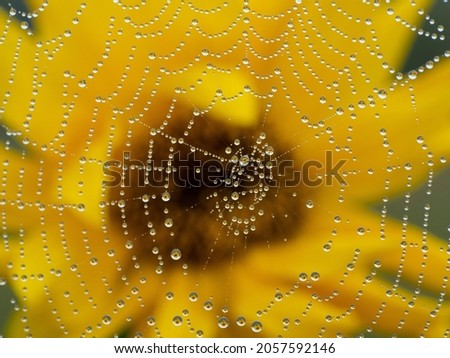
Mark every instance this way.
x=179 y=169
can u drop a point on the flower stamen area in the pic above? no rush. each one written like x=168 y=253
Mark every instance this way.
x=202 y=191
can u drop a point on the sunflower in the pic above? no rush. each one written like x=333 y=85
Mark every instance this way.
x=176 y=169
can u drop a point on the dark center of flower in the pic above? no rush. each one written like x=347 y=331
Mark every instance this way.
x=203 y=191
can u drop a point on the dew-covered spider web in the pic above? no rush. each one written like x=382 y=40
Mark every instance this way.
x=193 y=168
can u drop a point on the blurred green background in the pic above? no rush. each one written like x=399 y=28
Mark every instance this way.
x=439 y=220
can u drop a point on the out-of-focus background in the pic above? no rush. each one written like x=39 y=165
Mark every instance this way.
x=439 y=199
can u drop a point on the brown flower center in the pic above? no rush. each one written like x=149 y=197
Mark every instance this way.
x=202 y=191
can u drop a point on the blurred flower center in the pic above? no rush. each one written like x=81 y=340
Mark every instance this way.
x=203 y=191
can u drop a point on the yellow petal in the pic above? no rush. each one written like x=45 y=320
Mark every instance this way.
x=356 y=265
x=76 y=286
x=398 y=140
x=22 y=196
x=414 y=126
x=222 y=95
x=285 y=310
x=188 y=305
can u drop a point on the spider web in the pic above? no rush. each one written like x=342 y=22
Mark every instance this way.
x=242 y=90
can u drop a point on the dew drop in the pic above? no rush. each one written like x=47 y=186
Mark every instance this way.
x=361 y=231
x=412 y=75
x=382 y=94
x=244 y=160
x=257 y=326
x=168 y=222
x=303 y=277
x=193 y=296
x=223 y=322
x=315 y=276
x=106 y=320
x=175 y=254
x=208 y=305
x=269 y=150
x=241 y=321
x=81 y=207
x=82 y=83
x=177 y=320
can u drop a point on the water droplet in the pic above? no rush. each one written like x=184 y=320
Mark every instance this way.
x=303 y=277
x=315 y=276
x=269 y=150
x=168 y=222
x=106 y=320
x=208 y=305
x=151 y=321
x=257 y=326
x=165 y=196
x=223 y=322
x=175 y=254
x=199 y=333
x=241 y=321
x=177 y=320
x=278 y=296
x=361 y=231
x=244 y=160
x=412 y=75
